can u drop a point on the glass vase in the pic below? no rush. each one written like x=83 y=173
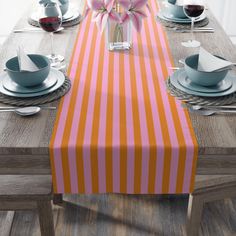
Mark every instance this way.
x=118 y=36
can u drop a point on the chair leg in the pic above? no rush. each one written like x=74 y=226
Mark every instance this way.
x=195 y=207
x=46 y=218
x=57 y=199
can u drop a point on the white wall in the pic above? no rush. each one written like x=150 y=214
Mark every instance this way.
x=10 y=12
x=224 y=11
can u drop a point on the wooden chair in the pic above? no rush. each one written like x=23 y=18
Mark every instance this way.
x=207 y=189
x=26 y=192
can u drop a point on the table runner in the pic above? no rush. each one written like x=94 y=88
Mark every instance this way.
x=118 y=130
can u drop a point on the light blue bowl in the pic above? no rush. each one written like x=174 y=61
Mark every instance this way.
x=176 y=10
x=201 y=77
x=64 y=7
x=27 y=78
x=172 y=1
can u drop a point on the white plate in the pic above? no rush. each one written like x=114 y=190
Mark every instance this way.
x=60 y=80
x=174 y=81
x=168 y=17
x=221 y=87
x=11 y=86
x=71 y=14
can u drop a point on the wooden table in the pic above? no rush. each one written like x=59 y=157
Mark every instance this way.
x=24 y=141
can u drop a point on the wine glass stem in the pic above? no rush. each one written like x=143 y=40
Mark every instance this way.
x=52 y=45
x=192 y=28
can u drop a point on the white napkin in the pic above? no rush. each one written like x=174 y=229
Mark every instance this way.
x=25 y=63
x=209 y=63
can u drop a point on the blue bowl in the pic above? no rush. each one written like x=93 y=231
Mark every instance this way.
x=64 y=8
x=172 y=1
x=27 y=78
x=202 y=78
x=176 y=10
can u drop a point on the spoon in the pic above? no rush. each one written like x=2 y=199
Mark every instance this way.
x=211 y=112
x=24 y=111
x=198 y=107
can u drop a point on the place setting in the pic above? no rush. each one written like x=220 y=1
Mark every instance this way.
x=29 y=80
x=70 y=14
x=185 y=16
x=206 y=84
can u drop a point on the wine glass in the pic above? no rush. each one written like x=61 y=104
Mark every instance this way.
x=193 y=9
x=50 y=20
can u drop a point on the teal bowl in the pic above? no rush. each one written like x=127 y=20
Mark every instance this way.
x=172 y=1
x=176 y=10
x=64 y=8
x=27 y=78
x=202 y=78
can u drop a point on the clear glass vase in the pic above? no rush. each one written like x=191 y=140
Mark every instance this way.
x=118 y=36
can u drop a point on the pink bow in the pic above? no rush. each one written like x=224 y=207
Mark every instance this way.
x=102 y=11
x=134 y=12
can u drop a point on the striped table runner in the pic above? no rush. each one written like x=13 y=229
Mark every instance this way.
x=118 y=130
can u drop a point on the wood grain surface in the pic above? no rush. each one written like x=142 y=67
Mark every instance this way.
x=24 y=141
x=126 y=215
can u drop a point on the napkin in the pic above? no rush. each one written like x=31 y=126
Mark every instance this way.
x=209 y=63
x=25 y=63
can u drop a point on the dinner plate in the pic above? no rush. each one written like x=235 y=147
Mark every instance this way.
x=54 y=73
x=174 y=81
x=71 y=14
x=11 y=86
x=222 y=86
x=164 y=15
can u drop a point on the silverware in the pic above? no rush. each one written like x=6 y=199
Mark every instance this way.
x=24 y=30
x=203 y=28
x=41 y=107
x=206 y=107
x=197 y=107
x=195 y=31
x=25 y=111
x=206 y=112
x=174 y=68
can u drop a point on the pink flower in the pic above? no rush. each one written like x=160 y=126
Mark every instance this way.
x=134 y=12
x=102 y=11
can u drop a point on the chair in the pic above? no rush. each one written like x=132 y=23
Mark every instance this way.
x=207 y=189
x=26 y=192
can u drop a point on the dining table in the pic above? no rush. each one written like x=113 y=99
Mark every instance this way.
x=24 y=142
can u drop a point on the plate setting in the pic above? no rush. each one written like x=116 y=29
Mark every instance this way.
x=54 y=81
x=165 y=15
x=15 y=88
x=222 y=86
x=70 y=15
x=179 y=77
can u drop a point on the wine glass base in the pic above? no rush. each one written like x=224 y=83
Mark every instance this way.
x=191 y=44
x=55 y=58
x=59 y=66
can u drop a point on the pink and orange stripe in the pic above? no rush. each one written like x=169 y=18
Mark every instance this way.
x=118 y=130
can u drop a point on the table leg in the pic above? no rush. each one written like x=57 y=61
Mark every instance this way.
x=195 y=207
x=57 y=199
x=46 y=218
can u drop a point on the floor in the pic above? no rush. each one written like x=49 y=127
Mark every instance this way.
x=121 y=215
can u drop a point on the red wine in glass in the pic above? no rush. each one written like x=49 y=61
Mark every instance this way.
x=193 y=11
x=50 y=24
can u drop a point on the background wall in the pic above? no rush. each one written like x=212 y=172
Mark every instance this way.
x=224 y=10
x=11 y=11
